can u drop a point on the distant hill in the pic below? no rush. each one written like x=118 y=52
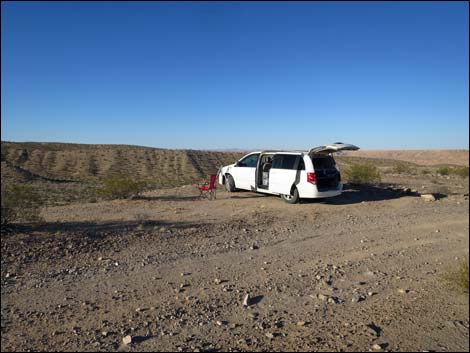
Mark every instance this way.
x=82 y=162
x=48 y=161
x=422 y=157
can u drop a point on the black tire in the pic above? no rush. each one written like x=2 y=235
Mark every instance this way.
x=294 y=198
x=229 y=183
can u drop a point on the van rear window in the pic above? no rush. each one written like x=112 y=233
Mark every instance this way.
x=323 y=162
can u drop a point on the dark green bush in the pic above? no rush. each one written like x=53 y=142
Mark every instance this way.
x=20 y=203
x=362 y=174
x=121 y=187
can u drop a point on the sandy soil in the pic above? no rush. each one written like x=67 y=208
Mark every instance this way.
x=359 y=272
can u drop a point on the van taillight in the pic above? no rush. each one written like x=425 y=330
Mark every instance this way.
x=311 y=178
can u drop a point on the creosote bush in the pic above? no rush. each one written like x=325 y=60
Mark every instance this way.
x=443 y=171
x=401 y=168
x=20 y=203
x=121 y=187
x=460 y=171
x=363 y=174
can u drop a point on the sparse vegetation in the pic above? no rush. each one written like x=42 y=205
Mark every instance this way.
x=458 y=278
x=363 y=174
x=443 y=171
x=93 y=163
x=121 y=187
x=401 y=168
x=460 y=171
x=425 y=172
x=20 y=203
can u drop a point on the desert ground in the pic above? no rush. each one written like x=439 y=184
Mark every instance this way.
x=167 y=271
x=362 y=271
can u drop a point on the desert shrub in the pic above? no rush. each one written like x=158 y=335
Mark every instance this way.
x=120 y=187
x=425 y=171
x=20 y=203
x=443 y=171
x=458 y=277
x=401 y=168
x=362 y=174
x=460 y=171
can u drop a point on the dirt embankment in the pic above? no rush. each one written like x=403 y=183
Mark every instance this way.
x=80 y=162
x=422 y=157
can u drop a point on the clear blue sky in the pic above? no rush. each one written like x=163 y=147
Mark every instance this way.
x=201 y=75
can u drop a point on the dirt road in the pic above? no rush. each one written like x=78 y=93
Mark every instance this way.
x=359 y=272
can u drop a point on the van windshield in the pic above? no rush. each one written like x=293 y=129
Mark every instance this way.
x=323 y=162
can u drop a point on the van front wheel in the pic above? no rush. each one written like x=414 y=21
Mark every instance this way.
x=294 y=198
x=229 y=183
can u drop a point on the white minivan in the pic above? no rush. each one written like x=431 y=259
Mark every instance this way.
x=293 y=175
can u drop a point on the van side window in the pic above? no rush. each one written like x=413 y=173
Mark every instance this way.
x=249 y=161
x=277 y=161
x=284 y=161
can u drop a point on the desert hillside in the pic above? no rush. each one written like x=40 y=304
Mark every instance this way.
x=422 y=157
x=81 y=162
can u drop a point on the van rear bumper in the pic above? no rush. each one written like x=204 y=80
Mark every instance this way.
x=313 y=193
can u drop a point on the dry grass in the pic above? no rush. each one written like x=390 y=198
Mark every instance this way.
x=458 y=278
x=20 y=203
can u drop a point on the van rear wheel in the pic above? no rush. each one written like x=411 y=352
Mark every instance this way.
x=294 y=198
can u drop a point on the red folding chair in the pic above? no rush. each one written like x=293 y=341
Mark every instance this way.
x=208 y=189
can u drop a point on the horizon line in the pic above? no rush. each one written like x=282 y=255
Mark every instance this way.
x=228 y=149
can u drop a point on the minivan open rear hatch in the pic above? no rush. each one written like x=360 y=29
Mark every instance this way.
x=333 y=147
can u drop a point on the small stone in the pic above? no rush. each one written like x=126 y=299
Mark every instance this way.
x=322 y=297
x=403 y=291
x=377 y=347
x=332 y=300
x=127 y=340
x=301 y=323
x=428 y=197
x=246 y=300
x=357 y=298
x=217 y=281
x=270 y=335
